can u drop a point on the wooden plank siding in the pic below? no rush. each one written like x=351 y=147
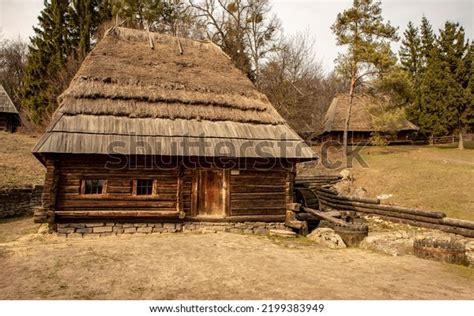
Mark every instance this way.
x=251 y=194
x=118 y=193
x=258 y=192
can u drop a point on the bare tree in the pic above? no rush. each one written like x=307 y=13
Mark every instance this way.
x=13 y=54
x=293 y=81
x=244 y=29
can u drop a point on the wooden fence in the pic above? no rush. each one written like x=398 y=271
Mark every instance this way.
x=443 y=140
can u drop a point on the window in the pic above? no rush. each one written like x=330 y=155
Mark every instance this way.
x=144 y=187
x=93 y=186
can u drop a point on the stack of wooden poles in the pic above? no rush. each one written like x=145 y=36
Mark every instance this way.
x=423 y=218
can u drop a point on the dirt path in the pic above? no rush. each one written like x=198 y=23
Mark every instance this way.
x=217 y=266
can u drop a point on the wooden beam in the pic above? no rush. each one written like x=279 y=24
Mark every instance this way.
x=104 y=214
x=248 y=218
x=326 y=217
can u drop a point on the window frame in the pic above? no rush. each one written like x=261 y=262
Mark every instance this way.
x=154 y=190
x=83 y=188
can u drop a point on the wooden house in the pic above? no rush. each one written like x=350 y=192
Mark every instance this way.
x=361 y=123
x=9 y=117
x=157 y=128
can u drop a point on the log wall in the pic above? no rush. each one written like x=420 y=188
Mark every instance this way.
x=259 y=192
x=251 y=194
x=118 y=188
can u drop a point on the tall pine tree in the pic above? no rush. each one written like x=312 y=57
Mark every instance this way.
x=446 y=98
x=411 y=61
x=63 y=37
x=428 y=39
x=48 y=54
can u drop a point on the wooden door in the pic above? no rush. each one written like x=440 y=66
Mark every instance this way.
x=210 y=193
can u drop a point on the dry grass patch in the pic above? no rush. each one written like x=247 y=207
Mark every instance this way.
x=439 y=178
x=18 y=167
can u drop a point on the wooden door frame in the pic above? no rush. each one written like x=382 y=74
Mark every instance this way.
x=225 y=192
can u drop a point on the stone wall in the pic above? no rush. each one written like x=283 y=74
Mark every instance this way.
x=107 y=229
x=445 y=248
x=16 y=202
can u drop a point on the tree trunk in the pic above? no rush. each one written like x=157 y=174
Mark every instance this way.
x=348 y=118
x=461 y=141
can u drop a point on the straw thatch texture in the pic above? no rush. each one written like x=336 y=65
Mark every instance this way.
x=361 y=119
x=127 y=93
x=6 y=104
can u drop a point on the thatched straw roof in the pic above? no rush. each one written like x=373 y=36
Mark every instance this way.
x=127 y=92
x=361 y=119
x=6 y=104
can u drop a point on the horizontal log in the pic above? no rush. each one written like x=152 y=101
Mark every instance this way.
x=118 y=189
x=40 y=215
x=258 y=202
x=306 y=216
x=325 y=216
x=256 y=181
x=316 y=185
x=101 y=214
x=446 y=228
x=104 y=203
x=329 y=191
x=386 y=207
x=119 y=177
x=348 y=198
x=66 y=197
x=257 y=188
x=318 y=177
x=258 y=211
x=249 y=218
x=257 y=195
x=427 y=222
x=385 y=213
x=69 y=188
x=262 y=173
x=458 y=222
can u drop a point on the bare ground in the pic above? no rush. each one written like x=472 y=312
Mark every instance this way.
x=213 y=266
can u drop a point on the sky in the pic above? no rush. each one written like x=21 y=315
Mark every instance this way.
x=315 y=17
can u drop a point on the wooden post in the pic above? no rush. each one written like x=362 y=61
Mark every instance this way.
x=226 y=192
x=179 y=189
x=50 y=188
x=290 y=180
x=194 y=192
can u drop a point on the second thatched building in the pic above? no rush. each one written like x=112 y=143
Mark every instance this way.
x=366 y=120
x=9 y=117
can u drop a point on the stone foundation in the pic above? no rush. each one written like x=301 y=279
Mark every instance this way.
x=71 y=230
